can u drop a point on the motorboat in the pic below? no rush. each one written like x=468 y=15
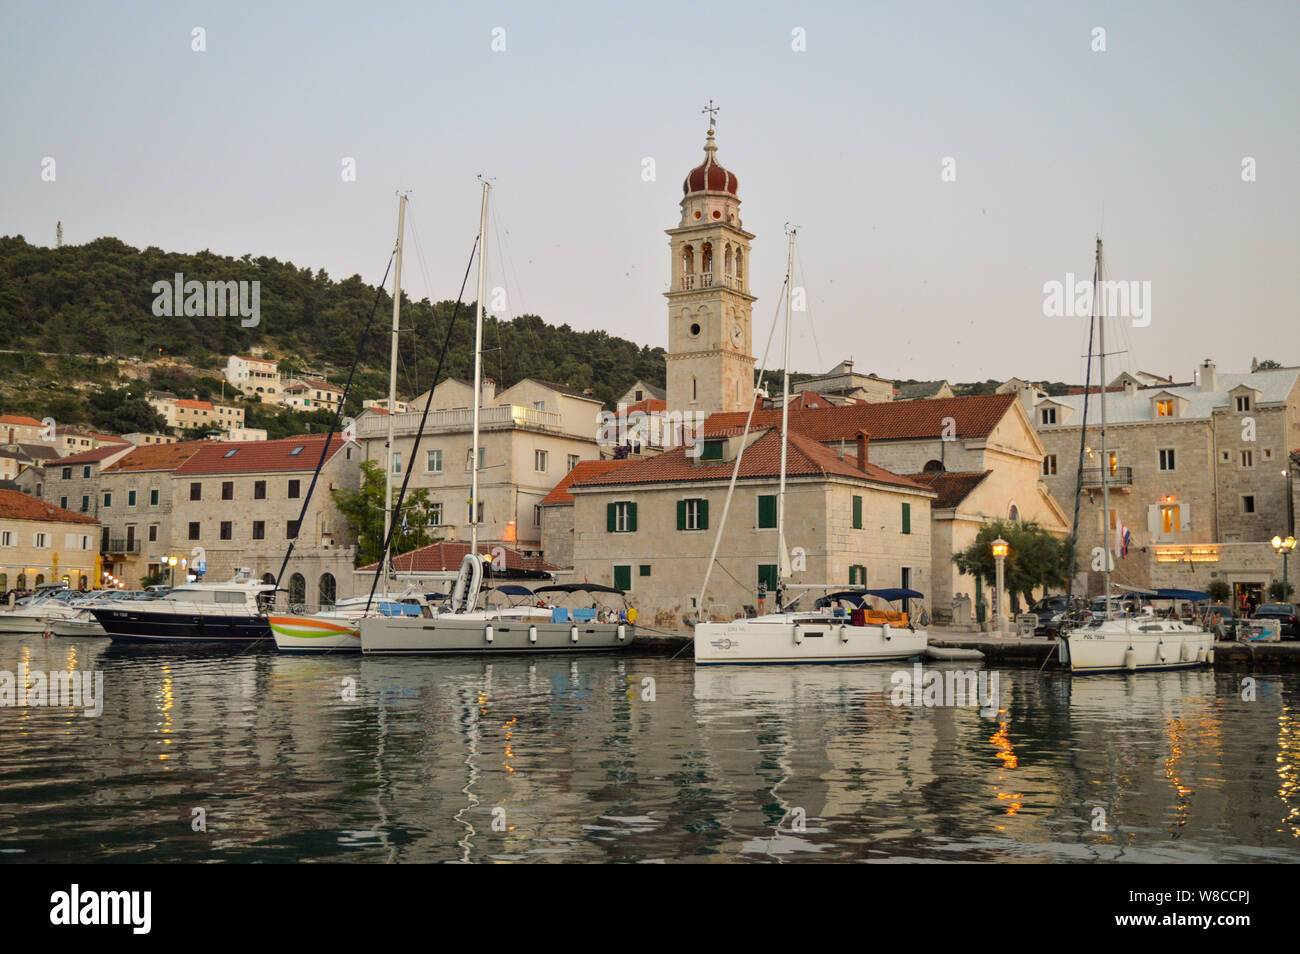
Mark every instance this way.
x=192 y=613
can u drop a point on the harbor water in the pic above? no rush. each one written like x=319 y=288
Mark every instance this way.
x=239 y=756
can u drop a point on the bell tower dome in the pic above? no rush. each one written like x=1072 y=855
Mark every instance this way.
x=710 y=361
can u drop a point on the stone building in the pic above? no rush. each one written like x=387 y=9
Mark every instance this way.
x=238 y=505
x=72 y=482
x=182 y=413
x=302 y=394
x=20 y=429
x=844 y=385
x=256 y=377
x=648 y=527
x=40 y=543
x=136 y=533
x=530 y=435
x=557 y=511
x=1198 y=472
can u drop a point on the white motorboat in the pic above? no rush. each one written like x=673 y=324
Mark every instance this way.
x=81 y=621
x=33 y=614
x=192 y=613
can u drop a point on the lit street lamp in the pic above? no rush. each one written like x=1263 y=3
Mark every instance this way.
x=171 y=562
x=1284 y=547
x=1000 y=549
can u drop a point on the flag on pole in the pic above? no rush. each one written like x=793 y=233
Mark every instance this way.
x=1123 y=537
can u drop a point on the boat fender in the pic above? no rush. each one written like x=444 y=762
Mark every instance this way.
x=1160 y=651
x=884 y=631
x=1186 y=654
x=532 y=634
x=487 y=632
x=798 y=635
x=844 y=633
x=1200 y=655
x=1065 y=652
x=924 y=618
x=1210 y=657
x=622 y=632
x=1130 y=659
x=573 y=633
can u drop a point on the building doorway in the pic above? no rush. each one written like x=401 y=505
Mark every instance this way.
x=1246 y=597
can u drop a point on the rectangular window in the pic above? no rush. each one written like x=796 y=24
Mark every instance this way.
x=1248 y=503
x=644 y=569
x=693 y=514
x=290 y=529
x=153 y=533
x=259 y=490
x=537 y=515
x=767 y=576
x=1165 y=408
x=1167 y=458
x=1049 y=465
x=1169 y=522
x=227 y=490
x=573 y=461
x=1243 y=403
x=397 y=462
x=622 y=577
x=620 y=517
x=712 y=450
x=857 y=512
x=539 y=461
x=67 y=473
x=85 y=471
x=1114 y=462
x=259 y=529
x=227 y=529
x=42 y=541
x=1247 y=459
x=907 y=518
x=6 y=538
x=435 y=514
x=482 y=458
x=295 y=488
x=1048 y=415
x=108 y=499
x=85 y=503
x=858 y=575
x=153 y=498
x=469 y=515
x=130 y=498
x=194 y=530
x=767 y=511
x=196 y=491
x=63 y=502
x=433 y=463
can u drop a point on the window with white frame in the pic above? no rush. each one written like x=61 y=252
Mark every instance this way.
x=539 y=461
x=1166 y=458
x=433 y=464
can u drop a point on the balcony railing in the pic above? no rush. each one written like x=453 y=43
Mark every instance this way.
x=122 y=545
x=459 y=419
x=1119 y=477
x=706 y=280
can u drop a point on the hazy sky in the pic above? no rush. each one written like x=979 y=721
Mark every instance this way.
x=239 y=149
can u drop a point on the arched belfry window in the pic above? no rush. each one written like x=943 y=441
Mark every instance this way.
x=688 y=260
x=933 y=467
x=740 y=266
x=727 y=262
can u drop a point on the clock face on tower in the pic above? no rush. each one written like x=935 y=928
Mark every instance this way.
x=737 y=334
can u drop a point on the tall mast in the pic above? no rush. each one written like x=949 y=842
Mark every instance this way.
x=392 y=381
x=478 y=369
x=1105 y=457
x=783 y=556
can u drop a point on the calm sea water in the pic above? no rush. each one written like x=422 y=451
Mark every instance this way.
x=568 y=759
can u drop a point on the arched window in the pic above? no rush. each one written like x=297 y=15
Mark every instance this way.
x=688 y=260
x=740 y=266
x=20 y=582
x=727 y=261
x=327 y=589
x=40 y=578
x=4 y=582
x=706 y=258
x=933 y=467
x=268 y=578
x=82 y=583
x=1013 y=513
x=297 y=588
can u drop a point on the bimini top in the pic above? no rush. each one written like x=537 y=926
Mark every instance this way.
x=577 y=588
x=888 y=595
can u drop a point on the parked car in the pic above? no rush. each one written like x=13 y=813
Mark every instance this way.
x=1221 y=619
x=1052 y=611
x=1285 y=612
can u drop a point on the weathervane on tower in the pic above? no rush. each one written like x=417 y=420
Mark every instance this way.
x=713 y=115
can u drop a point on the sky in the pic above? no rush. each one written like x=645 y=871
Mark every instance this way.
x=838 y=117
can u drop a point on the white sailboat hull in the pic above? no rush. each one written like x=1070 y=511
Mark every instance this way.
x=478 y=635
x=1154 y=645
x=778 y=640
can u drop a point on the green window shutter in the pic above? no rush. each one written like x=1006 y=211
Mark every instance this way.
x=645 y=569
x=681 y=515
x=907 y=518
x=611 y=515
x=767 y=575
x=704 y=514
x=766 y=512
x=623 y=577
x=857 y=512
x=631 y=518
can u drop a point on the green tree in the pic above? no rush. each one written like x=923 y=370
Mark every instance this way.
x=1035 y=558
x=1279 y=592
x=364 y=511
x=1219 y=591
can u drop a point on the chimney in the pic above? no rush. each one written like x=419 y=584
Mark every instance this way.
x=1209 y=376
x=864 y=439
x=489 y=392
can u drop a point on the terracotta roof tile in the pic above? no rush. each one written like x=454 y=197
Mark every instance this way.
x=156 y=457
x=92 y=456
x=973 y=416
x=197 y=405
x=952 y=488
x=762 y=459
x=19 y=419
x=585 y=469
x=15 y=505
x=255 y=457
x=648 y=406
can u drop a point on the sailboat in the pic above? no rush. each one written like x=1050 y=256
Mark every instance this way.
x=1126 y=642
x=467 y=623
x=336 y=630
x=823 y=633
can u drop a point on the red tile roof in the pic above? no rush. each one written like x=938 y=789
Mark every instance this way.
x=952 y=488
x=255 y=457
x=973 y=416
x=91 y=456
x=805 y=457
x=16 y=505
x=585 y=469
x=801 y=400
x=648 y=406
x=156 y=457
x=439 y=557
x=198 y=405
x=19 y=419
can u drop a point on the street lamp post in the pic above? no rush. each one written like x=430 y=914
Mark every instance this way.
x=1284 y=547
x=1000 y=548
x=171 y=562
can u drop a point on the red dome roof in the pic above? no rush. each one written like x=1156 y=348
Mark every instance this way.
x=709 y=176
